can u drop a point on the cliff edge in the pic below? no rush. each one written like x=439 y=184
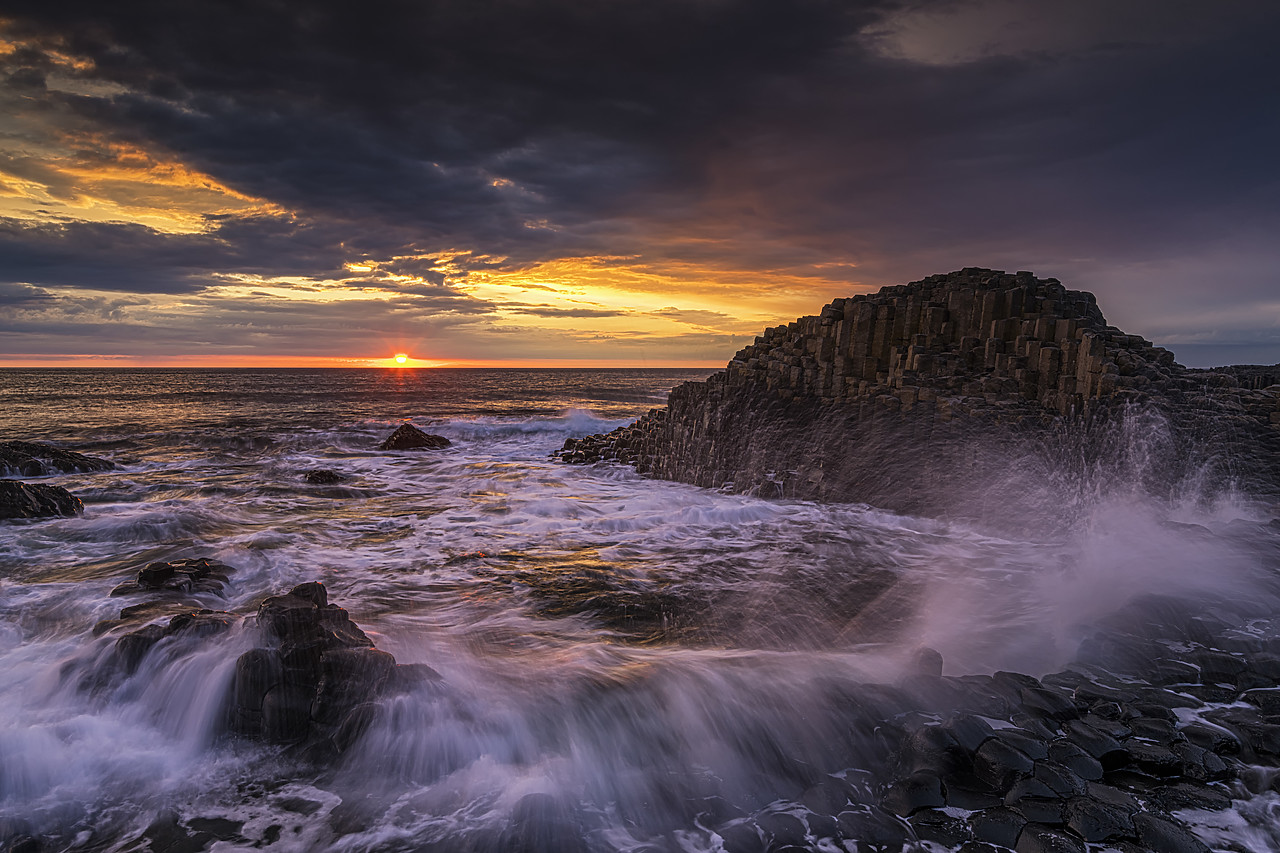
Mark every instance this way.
x=953 y=386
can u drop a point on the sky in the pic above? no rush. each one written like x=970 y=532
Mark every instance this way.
x=603 y=182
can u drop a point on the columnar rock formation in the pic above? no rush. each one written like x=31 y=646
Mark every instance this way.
x=883 y=387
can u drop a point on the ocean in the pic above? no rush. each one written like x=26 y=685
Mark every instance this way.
x=641 y=660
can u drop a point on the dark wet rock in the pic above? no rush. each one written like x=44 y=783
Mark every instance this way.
x=1035 y=801
x=829 y=796
x=940 y=828
x=1107 y=710
x=1096 y=821
x=1200 y=764
x=967 y=731
x=1045 y=839
x=178 y=577
x=741 y=838
x=409 y=437
x=323 y=477
x=1059 y=778
x=541 y=823
x=36 y=459
x=781 y=829
x=971 y=794
x=1107 y=795
x=1048 y=703
x=1191 y=795
x=1154 y=758
x=1218 y=667
x=1112 y=727
x=317 y=677
x=932 y=749
x=1025 y=742
x=1000 y=826
x=1075 y=759
x=1259 y=780
x=910 y=795
x=18 y=836
x=1028 y=725
x=928 y=661
x=167 y=833
x=1166 y=836
x=1107 y=750
x=998 y=764
x=1155 y=729
x=220 y=828
x=355 y=814
x=1258 y=739
x=1267 y=700
x=36 y=500
x=874 y=829
x=979 y=847
x=131 y=648
x=1132 y=779
x=1216 y=739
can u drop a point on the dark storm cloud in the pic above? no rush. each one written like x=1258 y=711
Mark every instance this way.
x=476 y=122
x=1119 y=143
x=135 y=258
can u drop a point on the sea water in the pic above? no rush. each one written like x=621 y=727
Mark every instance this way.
x=621 y=645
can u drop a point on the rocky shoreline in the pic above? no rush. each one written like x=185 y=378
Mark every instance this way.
x=902 y=396
x=1167 y=717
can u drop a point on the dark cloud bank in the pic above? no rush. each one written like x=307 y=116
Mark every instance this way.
x=1131 y=153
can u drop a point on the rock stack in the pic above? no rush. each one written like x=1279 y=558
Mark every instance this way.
x=894 y=386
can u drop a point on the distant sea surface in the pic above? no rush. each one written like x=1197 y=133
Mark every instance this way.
x=626 y=647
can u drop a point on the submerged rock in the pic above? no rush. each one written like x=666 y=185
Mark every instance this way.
x=178 y=576
x=36 y=500
x=409 y=437
x=324 y=477
x=35 y=459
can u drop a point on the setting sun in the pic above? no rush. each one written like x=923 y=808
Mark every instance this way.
x=401 y=358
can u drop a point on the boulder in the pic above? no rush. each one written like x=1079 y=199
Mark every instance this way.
x=324 y=477
x=409 y=437
x=315 y=677
x=34 y=459
x=36 y=500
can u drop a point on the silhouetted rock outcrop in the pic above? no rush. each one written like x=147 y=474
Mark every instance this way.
x=36 y=500
x=912 y=394
x=409 y=437
x=34 y=459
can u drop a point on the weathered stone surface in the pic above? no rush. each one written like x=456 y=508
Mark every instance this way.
x=916 y=377
x=323 y=476
x=36 y=500
x=409 y=437
x=36 y=459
